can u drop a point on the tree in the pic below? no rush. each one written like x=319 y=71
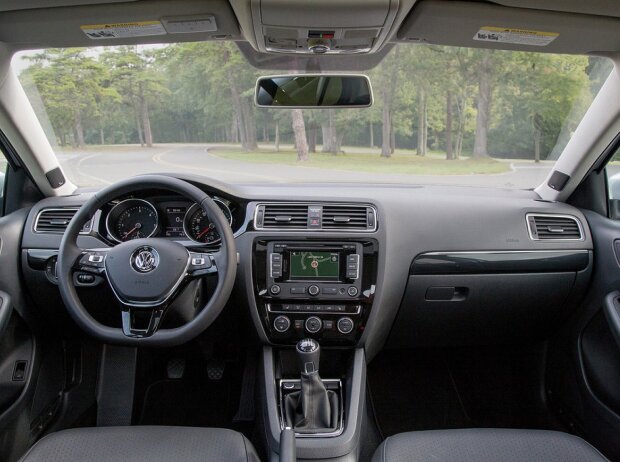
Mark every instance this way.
x=299 y=129
x=139 y=83
x=483 y=103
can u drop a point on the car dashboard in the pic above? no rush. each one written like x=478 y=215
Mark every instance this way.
x=354 y=265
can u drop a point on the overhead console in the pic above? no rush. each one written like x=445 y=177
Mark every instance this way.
x=320 y=26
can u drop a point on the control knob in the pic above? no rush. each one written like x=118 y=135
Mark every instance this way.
x=314 y=290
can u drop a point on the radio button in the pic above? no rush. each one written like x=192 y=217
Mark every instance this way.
x=345 y=325
x=275 y=289
x=352 y=291
x=314 y=290
x=313 y=324
x=281 y=323
x=329 y=290
x=328 y=325
x=298 y=290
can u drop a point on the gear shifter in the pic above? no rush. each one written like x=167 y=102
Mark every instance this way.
x=309 y=354
x=314 y=409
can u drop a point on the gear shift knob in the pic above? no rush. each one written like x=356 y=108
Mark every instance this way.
x=309 y=354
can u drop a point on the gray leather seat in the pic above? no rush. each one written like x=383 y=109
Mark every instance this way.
x=481 y=445
x=143 y=444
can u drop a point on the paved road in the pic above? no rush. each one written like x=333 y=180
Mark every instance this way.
x=98 y=168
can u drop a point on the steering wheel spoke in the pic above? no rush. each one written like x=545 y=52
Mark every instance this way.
x=202 y=264
x=91 y=261
x=141 y=322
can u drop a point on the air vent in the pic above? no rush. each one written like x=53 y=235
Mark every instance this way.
x=554 y=227
x=316 y=217
x=348 y=217
x=284 y=216
x=57 y=220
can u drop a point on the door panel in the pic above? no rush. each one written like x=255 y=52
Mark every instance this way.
x=583 y=373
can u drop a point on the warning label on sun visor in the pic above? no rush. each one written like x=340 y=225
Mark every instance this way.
x=515 y=36
x=123 y=30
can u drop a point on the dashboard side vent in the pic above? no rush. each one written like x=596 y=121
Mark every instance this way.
x=348 y=217
x=56 y=220
x=288 y=216
x=554 y=227
x=316 y=217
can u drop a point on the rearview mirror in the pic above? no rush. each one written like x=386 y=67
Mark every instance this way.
x=313 y=91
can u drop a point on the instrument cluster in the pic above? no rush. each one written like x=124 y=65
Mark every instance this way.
x=135 y=218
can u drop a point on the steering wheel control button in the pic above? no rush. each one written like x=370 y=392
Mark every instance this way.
x=352 y=291
x=314 y=290
x=313 y=324
x=92 y=261
x=144 y=259
x=345 y=325
x=275 y=289
x=198 y=261
x=85 y=279
x=281 y=324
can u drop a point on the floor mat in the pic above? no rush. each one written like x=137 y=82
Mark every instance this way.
x=413 y=390
x=457 y=388
x=183 y=402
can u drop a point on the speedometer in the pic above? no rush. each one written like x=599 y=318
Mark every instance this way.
x=199 y=227
x=132 y=219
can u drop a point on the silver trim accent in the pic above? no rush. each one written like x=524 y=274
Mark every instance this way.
x=192 y=210
x=554 y=215
x=470 y=252
x=339 y=430
x=59 y=209
x=344 y=318
x=107 y=218
x=288 y=323
x=358 y=309
x=313 y=230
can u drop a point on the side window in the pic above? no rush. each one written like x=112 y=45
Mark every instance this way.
x=613 y=185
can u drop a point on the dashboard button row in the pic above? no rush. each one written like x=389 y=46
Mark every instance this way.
x=315 y=308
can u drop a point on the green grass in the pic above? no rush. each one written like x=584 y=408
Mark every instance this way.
x=400 y=162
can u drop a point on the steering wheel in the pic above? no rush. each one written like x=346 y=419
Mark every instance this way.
x=146 y=274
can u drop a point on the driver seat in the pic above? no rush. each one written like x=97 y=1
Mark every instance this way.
x=143 y=444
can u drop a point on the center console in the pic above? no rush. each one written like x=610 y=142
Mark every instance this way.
x=321 y=289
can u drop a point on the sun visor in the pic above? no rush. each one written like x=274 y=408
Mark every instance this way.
x=143 y=22
x=484 y=25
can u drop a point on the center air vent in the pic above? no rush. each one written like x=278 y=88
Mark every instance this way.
x=316 y=217
x=56 y=220
x=289 y=216
x=554 y=227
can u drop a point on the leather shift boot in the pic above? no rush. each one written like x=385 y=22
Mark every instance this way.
x=314 y=409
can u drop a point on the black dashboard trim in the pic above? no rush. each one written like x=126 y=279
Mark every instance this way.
x=501 y=261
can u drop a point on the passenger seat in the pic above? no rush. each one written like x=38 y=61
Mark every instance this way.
x=481 y=445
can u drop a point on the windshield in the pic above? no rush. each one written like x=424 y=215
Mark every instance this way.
x=441 y=115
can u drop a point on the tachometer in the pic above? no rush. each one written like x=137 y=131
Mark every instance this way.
x=132 y=219
x=199 y=227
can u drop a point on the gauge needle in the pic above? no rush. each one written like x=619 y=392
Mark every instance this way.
x=134 y=229
x=203 y=232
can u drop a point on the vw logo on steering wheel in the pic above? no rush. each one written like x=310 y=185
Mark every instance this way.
x=144 y=259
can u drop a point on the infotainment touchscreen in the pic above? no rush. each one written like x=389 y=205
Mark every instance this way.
x=314 y=265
